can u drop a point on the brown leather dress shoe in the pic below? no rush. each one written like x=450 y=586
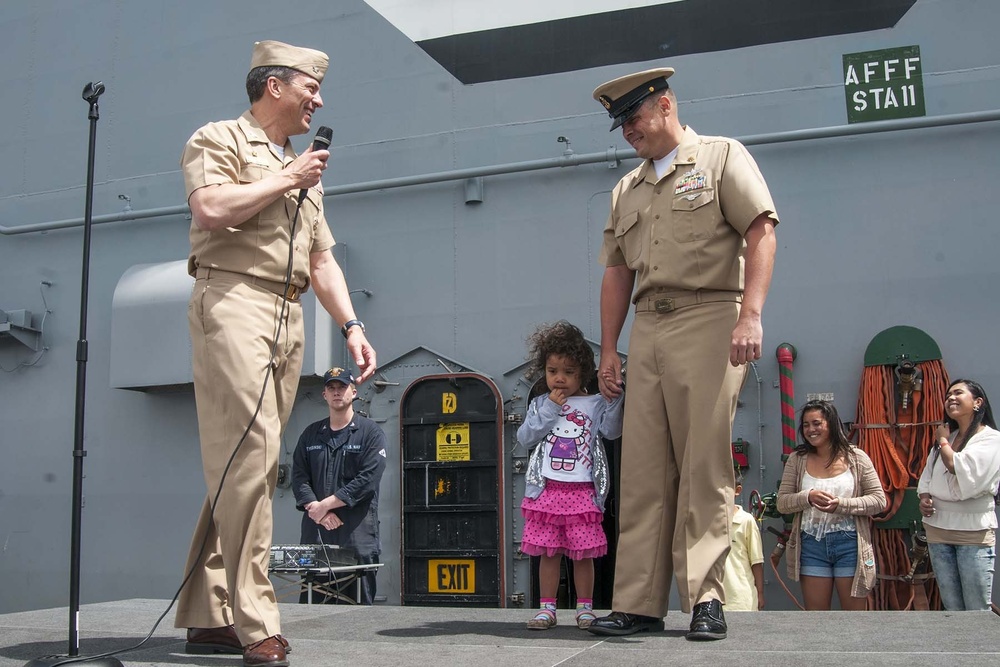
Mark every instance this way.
x=268 y=652
x=202 y=641
x=284 y=642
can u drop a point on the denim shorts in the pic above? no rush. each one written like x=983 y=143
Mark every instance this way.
x=836 y=555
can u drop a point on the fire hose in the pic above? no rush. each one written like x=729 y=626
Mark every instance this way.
x=900 y=404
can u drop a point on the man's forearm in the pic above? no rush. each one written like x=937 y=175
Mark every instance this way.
x=331 y=287
x=331 y=290
x=215 y=207
x=333 y=502
x=616 y=291
x=759 y=264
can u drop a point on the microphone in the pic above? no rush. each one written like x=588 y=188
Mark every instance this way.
x=324 y=136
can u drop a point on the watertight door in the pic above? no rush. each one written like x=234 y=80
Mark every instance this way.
x=451 y=445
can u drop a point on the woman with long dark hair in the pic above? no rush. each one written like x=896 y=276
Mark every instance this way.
x=832 y=488
x=957 y=495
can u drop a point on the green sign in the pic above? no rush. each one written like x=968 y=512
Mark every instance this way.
x=883 y=85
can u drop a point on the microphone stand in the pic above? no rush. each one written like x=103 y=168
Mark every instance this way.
x=91 y=92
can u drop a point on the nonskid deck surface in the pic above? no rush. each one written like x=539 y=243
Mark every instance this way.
x=323 y=636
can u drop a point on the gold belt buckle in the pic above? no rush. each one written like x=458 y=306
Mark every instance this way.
x=663 y=305
x=293 y=293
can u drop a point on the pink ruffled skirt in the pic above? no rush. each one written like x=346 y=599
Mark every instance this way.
x=563 y=521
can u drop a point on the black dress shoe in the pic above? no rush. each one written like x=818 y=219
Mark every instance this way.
x=619 y=623
x=707 y=622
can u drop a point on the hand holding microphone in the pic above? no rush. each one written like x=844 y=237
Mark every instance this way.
x=324 y=136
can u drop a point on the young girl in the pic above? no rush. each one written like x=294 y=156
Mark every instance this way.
x=567 y=479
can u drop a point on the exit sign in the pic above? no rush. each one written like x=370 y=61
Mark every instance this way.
x=884 y=85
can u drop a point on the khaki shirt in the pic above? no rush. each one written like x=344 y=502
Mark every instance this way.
x=238 y=151
x=685 y=231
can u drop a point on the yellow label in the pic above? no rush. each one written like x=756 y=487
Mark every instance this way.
x=451 y=576
x=442 y=487
x=453 y=442
x=449 y=403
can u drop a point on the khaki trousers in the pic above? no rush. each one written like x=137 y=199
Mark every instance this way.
x=233 y=325
x=676 y=490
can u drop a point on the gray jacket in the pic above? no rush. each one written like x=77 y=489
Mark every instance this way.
x=538 y=422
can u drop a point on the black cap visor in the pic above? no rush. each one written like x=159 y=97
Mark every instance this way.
x=625 y=114
x=625 y=106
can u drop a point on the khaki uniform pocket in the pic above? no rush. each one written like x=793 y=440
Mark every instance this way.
x=629 y=237
x=691 y=217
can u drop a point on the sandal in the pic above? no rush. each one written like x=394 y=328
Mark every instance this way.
x=584 y=617
x=543 y=620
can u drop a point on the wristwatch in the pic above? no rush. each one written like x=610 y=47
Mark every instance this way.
x=352 y=323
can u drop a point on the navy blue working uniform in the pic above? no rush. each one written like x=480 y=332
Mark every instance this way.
x=348 y=464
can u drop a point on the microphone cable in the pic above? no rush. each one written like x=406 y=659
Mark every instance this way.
x=246 y=431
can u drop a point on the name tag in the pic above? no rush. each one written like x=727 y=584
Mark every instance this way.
x=259 y=161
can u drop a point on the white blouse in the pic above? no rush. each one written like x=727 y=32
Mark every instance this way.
x=818 y=523
x=963 y=500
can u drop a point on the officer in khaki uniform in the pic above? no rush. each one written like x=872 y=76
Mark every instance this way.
x=243 y=180
x=691 y=231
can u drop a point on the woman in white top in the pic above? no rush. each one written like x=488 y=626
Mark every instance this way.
x=832 y=488
x=957 y=489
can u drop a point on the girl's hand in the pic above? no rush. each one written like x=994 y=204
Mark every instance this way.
x=927 y=505
x=823 y=501
x=830 y=506
x=558 y=396
x=942 y=432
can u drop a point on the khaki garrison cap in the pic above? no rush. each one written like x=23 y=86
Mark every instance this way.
x=277 y=54
x=622 y=96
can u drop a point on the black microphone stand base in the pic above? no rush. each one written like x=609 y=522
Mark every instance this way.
x=52 y=660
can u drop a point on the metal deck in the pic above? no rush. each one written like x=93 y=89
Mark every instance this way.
x=322 y=636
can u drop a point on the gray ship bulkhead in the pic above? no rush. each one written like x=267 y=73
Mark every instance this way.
x=878 y=230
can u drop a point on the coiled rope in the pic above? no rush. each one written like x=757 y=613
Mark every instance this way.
x=897 y=440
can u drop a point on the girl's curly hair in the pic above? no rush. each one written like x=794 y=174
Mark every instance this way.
x=565 y=339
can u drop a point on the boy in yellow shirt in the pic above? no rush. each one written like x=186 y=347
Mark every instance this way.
x=744 y=580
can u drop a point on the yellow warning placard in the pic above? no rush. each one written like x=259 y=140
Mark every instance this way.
x=453 y=442
x=451 y=576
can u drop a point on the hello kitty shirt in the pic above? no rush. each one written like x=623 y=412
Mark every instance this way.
x=570 y=450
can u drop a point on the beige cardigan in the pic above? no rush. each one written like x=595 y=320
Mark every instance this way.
x=868 y=499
